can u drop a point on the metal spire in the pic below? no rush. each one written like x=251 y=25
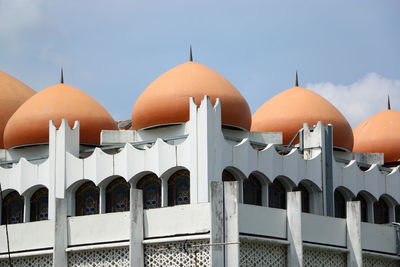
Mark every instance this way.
x=190 y=54
x=388 y=107
x=62 y=76
x=297 y=80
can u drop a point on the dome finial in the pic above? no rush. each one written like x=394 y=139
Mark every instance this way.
x=62 y=76
x=297 y=80
x=388 y=104
x=190 y=54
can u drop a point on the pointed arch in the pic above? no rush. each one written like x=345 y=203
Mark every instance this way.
x=117 y=195
x=179 y=188
x=231 y=174
x=340 y=196
x=12 y=210
x=39 y=205
x=252 y=190
x=87 y=199
x=384 y=209
x=227 y=176
x=277 y=194
x=151 y=186
x=381 y=211
x=311 y=197
x=366 y=204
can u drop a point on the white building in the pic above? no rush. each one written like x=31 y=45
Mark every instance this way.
x=196 y=181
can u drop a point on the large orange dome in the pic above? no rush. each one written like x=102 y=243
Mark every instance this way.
x=12 y=94
x=379 y=134
x=30 y=123
x=166 y=100
x=287 y=111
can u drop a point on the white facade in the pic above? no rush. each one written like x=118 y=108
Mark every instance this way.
x=216 y=229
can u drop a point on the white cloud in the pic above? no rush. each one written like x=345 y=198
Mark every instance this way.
x=363 y=98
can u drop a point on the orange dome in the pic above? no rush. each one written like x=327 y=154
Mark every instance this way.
x=30 y=123
x=166 y=100
x=287 y=111
x=379 y=134
x=12 y=94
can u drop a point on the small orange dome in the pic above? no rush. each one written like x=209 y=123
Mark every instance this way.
x=166 y=100
x=12 y=94
x=287 y=111
x=30 y=123
x=379 y=134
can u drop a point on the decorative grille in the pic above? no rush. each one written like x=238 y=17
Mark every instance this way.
x=255 y=254
x=177 y=254
x=323 y=257
x=118 y=257
x=42 y=260
x=378 y=261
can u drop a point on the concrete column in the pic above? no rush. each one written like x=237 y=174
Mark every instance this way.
x=295 y=250
x=217 y=223
x=102 y=200
x=136 y=252
x=328 y=171
x=27 y=207
x=60 y=257
x=353 y=222
x=164 y=193
x=231 y=199
x=61 y=141
x=209 y=142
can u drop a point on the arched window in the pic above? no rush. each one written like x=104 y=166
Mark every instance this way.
x=151 y=186
x=87 y=199
x=117 y=195
x=252 y=191
x=39 y=205
x=12 y=209
x=340 y=204
x=179 y=188
x=364 y=207
x=277 y=195
x=381 y=212
x=397 y=211
x=305 y=197
x=227 y=176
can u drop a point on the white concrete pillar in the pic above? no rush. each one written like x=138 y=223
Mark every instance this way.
x=209 y=142
x=191 y=128
x=61 y=141
x=136 y=252
x=217 y=224
x=231 y=199
x=52 y=171
x=102 y=199
x=60 y=257
x=27 y=207
x=164 y=193
x=295 y=250
x=353 y=222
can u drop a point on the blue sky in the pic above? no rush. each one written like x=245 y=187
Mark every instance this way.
x=348 y=51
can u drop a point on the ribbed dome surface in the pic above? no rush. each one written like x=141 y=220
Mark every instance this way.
x=166 y=100
x=287 y=111
x=30 y=123
x=379 y=134
x=13 y=94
